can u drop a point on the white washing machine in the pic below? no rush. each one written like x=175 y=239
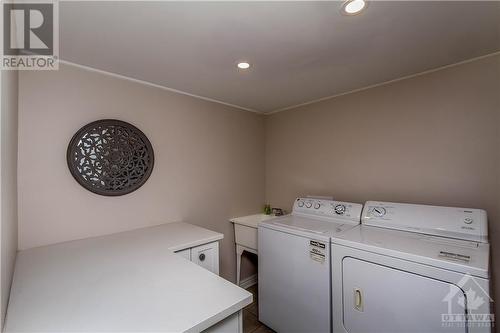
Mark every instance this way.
x=412 y=268
x=294 y=264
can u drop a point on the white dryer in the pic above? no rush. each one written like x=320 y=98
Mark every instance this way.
x=294 y=264
x=412 y=268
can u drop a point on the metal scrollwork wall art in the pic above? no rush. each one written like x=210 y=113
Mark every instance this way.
x=110 y=157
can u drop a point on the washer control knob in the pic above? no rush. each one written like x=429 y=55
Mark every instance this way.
x=300 y=203
x=468 y=220
x=308 y=204
x=339 y=209
x=317 y=205
x=379 y=211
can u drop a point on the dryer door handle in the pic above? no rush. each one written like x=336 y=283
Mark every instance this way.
x=358 y=299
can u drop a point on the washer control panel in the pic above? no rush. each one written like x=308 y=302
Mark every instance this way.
x=328 y=208
x=460 y=223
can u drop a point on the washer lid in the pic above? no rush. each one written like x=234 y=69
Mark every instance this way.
x=457 y=255
x=307 y=226
x=452 y=222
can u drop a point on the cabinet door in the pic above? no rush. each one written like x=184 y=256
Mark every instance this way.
x=184 y=253
x=207 y=256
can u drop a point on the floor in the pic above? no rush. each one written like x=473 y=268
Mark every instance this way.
x=251 y=323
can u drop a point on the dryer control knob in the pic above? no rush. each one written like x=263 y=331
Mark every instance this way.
x=379 y=211
x=468 y=220
x=339 y=209
x=308 y=205
x=317 y=205
x=301 y=203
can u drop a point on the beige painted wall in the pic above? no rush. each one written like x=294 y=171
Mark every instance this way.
x=432 y=139
x=8 y=180
x=209 y=160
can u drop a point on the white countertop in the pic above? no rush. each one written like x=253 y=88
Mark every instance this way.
x=251 y=220
x=131 y=281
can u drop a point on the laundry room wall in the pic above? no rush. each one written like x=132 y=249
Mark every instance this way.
x=431 y=139
x=209 y=159
x=8 y=181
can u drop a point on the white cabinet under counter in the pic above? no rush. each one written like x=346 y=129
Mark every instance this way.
x=206 y=256
x=151 y=279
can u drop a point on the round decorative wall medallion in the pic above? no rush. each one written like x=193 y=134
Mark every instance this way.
x=110 y=157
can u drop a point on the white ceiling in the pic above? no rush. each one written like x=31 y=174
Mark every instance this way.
x=299 y=51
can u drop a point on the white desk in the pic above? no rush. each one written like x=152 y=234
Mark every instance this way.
x=131 y=281
x=245 y=235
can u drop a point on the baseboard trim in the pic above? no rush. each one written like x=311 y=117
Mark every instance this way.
x=249 y=281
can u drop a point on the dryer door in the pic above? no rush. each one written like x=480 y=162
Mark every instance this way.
x=377 y=298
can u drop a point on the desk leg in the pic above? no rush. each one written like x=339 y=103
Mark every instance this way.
x=239 y=253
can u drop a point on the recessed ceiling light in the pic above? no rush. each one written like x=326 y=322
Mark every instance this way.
x=243 y=65
x=353 y=7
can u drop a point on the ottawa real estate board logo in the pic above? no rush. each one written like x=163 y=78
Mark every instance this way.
x=469 y=305
x=30 y=35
